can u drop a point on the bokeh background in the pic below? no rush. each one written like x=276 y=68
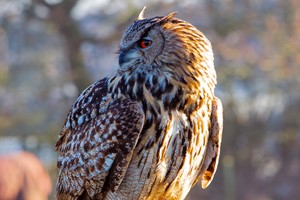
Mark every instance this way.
x=52 y=49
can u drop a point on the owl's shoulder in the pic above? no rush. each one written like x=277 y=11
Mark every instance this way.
x=95 y=110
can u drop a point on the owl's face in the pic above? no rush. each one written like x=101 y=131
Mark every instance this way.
x=142 y=43
x=169 y=49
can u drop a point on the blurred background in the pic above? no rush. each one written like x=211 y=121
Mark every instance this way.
x=52 y=49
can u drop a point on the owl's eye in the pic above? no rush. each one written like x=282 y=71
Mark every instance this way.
x=144 y=43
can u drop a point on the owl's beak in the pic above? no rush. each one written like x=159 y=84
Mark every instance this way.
x=128 y=57
x=122 y=58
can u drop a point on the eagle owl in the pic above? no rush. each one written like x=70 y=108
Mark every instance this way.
x=153 y=129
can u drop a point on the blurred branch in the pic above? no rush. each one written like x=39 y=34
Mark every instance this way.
x=44 y=3
x=60 y=17
x=67 y=4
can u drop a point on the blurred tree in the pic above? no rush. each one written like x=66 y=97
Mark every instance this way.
x=59 y=14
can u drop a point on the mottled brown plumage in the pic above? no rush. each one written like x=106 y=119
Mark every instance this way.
x=153 y=129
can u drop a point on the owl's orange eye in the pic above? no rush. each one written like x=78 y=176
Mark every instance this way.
x=144 y=43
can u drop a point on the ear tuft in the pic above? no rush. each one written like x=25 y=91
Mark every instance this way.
x=141 y=15
x=169 y=16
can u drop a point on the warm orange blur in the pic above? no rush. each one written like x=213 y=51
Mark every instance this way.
x=22 y=177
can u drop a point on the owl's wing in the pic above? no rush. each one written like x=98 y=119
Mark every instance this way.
x=211 y=160
x=97 y=142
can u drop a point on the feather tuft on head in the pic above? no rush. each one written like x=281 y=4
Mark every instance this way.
x=141 y=15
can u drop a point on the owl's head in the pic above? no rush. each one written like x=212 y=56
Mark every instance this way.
x=170 y=47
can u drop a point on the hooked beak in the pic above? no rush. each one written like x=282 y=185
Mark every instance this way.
x=128 y=57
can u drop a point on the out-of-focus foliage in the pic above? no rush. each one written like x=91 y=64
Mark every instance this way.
x=51 y=49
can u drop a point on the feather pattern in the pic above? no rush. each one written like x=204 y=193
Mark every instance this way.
x=151 y=130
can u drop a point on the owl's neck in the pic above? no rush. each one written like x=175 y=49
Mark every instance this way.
x=156 y=89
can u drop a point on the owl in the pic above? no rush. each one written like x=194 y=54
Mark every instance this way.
x=153 y=129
